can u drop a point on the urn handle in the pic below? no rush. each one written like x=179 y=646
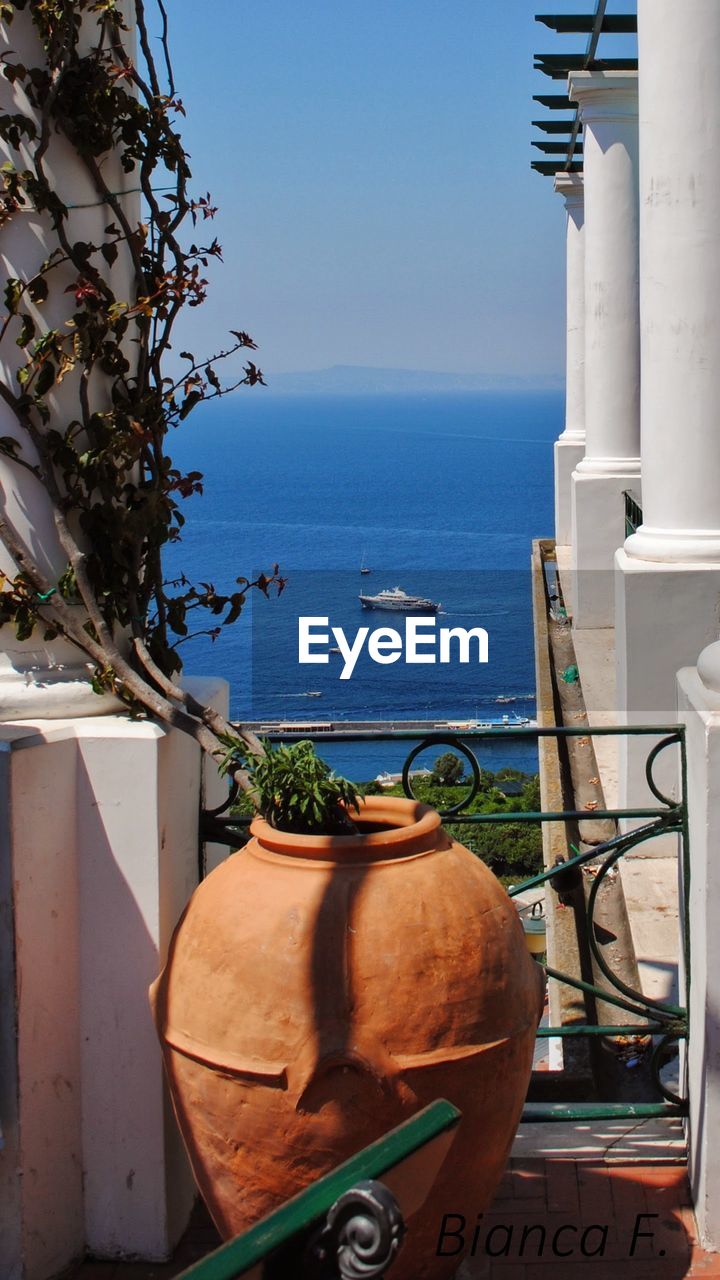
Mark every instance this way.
x=368 y=1066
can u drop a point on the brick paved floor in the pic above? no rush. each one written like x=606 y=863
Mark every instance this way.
x=580 y=1219
x=545 y=1213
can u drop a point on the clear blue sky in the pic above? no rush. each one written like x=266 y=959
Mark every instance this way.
x=371 y=164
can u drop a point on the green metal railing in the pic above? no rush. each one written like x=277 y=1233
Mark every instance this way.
x=346 y=1224
x=633 y=512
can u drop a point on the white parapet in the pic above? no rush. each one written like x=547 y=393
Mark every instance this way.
x=598 y=528
x=699 y=710
x=665 y=614
x=100 y=827
x=567 y=453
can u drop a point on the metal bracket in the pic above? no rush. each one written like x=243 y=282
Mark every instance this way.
x=361 y=1237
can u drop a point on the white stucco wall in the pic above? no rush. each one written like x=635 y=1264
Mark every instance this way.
x=101 y=855
x=699 y=710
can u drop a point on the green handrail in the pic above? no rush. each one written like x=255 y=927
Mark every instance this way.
x=295 y=1218
x=551 y=1112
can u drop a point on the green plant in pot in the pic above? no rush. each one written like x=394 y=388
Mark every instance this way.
x=294 y=790
x=346 y=967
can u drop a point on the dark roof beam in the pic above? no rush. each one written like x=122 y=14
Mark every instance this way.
x=550 y=167
x=554 y=101
x=557 y=148
x=553 y=126
x=560 y=65
x=580 y=24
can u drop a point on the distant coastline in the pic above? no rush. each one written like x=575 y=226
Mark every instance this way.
x=343 y=379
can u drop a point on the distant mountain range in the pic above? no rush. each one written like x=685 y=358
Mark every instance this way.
x=350 y=379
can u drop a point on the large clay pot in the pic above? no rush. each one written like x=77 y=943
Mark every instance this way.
x=319 y=990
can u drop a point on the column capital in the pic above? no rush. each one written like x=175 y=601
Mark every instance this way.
x=571 y=187
x=604 y=95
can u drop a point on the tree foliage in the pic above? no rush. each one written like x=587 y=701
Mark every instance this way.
x=448 y=769
x=512 y=850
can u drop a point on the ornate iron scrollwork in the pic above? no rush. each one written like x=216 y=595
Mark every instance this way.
x=670 y=741
x=461 y=749
x=361 y=1236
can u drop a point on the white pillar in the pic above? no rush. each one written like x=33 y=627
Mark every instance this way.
x=681 y=461
x=680 y=311
x=36 y=678
x=668 y=574
x=698 y=694
x=608 y=105
x=570 y=447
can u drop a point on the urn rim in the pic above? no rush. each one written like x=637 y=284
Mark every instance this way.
x=395 y=827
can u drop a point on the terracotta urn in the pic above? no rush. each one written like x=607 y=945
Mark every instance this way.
x=321 y=989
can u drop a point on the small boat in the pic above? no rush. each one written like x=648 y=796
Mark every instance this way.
x=335 y=649
x=363 y=567
x=396 y=600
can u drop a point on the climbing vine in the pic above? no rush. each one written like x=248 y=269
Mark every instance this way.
x=92 y=404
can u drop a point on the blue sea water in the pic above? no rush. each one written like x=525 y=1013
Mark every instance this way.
x=440 y=494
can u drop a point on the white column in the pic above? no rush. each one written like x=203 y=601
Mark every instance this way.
x=37 y=678
x=608 y=105
x=698 y=696
x=668 y=574
x=570 y=447
x=680 y=311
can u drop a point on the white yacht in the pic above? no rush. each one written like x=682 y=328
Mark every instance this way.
x=398 y=601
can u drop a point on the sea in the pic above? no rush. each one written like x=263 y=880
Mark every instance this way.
x=440 y=494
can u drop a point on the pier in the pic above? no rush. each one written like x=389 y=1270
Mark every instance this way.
x=396 y=728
